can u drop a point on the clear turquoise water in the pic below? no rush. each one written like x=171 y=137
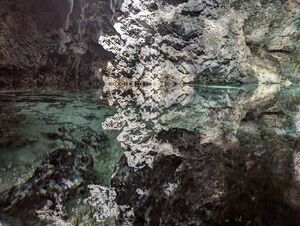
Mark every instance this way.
x=40 y=122
x=123 y=130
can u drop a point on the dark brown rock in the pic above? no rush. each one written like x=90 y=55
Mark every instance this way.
x=63 y=173
x=52 y=43
x=204 y=185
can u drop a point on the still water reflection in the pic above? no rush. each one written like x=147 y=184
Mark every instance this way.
x=180 y=155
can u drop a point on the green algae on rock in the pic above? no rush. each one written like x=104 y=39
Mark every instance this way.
x=57 y=149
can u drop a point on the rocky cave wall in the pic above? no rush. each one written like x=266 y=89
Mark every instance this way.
x=232 y=41
x=55 y=43
x=52 y=43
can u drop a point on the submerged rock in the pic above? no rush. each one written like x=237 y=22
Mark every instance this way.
x=61 y=175
x=204 y=185
x=8 y=120
x=55 y=149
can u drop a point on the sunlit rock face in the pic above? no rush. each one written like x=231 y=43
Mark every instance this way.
x=214 y=111
x=52 y=43
x=193 y=154
x=159 y=41
x=210 y=41
x=273 y=39
x=55 y=42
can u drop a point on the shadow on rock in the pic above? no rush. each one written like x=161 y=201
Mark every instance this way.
x=63 y=174
x=202 y=185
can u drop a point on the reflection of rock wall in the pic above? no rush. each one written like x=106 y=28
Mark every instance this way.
x=140 y=109
x=8 y=121
x=204 y=185
x=206 y=154
x=52 y=43
x=215 y=112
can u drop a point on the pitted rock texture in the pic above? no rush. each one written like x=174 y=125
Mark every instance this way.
x=207 y=156
x=158 y=41
x=204 y=185
x=7 y=121
x=55 y=43
x=52 y=43
x=204 y=40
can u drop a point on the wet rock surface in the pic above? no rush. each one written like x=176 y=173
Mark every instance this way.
x=7 y=120
x=55 y=43
x=216 y=155
x=192 y=155
x=205 y=185
x=56 y=148
x=63 y=174
x=199 y=154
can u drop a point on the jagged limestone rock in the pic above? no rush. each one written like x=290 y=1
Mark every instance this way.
x=207 y=41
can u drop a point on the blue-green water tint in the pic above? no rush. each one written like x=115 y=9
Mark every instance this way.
x=42 y=122
x=236 y=143
x=262 y=121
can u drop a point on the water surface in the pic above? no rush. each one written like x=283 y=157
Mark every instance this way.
x=179 y=155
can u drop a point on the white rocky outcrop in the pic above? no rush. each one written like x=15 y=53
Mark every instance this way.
x=159 y=42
